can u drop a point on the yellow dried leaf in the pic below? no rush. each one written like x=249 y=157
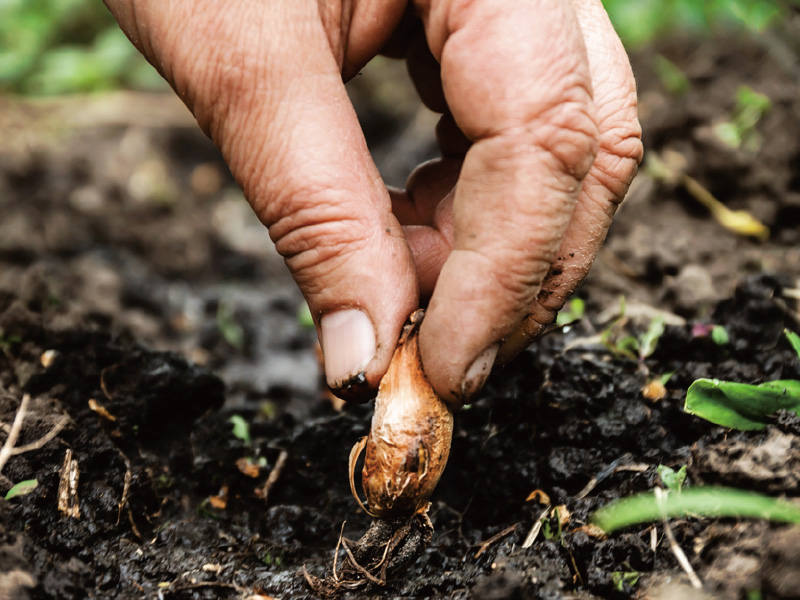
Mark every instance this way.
x=593 y=530
x=248 y=467
x=538 y=495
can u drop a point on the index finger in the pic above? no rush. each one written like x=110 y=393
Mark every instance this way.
x=516 y=79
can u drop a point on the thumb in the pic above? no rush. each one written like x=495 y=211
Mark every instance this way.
x=264 y=83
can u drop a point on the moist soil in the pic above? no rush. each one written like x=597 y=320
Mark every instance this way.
x=145 y=313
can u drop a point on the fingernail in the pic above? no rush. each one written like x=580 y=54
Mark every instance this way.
x=478 y=372
x=348 y=344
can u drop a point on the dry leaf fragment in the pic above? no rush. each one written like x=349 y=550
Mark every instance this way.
x=101 y=410
x=539 y=495
x=48 y=357
x=593 y=530
x=220 y=501
x=248 y=467
x=68 y=503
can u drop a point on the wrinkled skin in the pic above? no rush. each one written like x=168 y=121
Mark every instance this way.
x=539 y=141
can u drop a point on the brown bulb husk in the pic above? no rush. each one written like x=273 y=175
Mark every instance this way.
x=409 y=441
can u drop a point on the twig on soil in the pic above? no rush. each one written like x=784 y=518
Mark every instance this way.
x=13 y=434
x=42 y=440
x=126 y=486
x=274 y=475
x=495 y=538
x=9 y=448
x=612 y=468
x=680 y=555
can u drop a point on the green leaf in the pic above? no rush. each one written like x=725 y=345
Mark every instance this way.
x=241 y=428
x=228 y=327
x=794 y=340
x=719 y=335
x=572 y=312
x=664 y=379
x=740 y=405
x=649 y=340
x=671 y=76
x=671 y=478
x=22 y=488
x=620 y=578
x=695 y=502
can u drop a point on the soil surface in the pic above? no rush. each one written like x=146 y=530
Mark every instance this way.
x=142 y=307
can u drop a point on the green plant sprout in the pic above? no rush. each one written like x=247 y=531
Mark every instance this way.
x=670 y=75
x=241 y=428
x=719 y=335
x=573 y=311
x=694 y=502
x=22 y=488
x=228 y=327
x=740 y=131
x=620 y=578
x=741 y=405
x=673 y=480
x=635 y=348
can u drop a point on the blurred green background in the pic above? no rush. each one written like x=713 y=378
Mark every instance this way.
x=51 y=47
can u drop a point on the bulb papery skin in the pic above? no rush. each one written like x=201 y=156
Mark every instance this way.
x=410 y=437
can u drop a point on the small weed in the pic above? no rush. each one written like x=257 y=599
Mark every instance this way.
x=6 y=341
x=719 y=335
x=673 y=480
x=740 y=130
x=573 y=311
x=621 y=578
x=229 y=328
x=164 y=482
x=271 y=557
x=241 y=428
x=204 y=511
x=22 y=488
x=671 y=76
x=619 y=342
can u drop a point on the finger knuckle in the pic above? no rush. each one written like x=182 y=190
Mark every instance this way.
x=618 y=159
x=313 y=227
x=566 y=131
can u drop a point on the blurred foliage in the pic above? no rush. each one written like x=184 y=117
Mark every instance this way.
x=639 y=23
x=52 y=47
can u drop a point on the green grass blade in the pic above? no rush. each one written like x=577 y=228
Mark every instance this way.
x=694 y=502
x=740 y=405
x=794 y=340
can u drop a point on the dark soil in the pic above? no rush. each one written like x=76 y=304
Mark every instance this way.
x=140 y=300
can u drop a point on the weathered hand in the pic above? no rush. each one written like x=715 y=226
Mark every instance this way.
x=539 y=139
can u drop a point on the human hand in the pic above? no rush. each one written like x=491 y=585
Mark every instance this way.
x=539 y=139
